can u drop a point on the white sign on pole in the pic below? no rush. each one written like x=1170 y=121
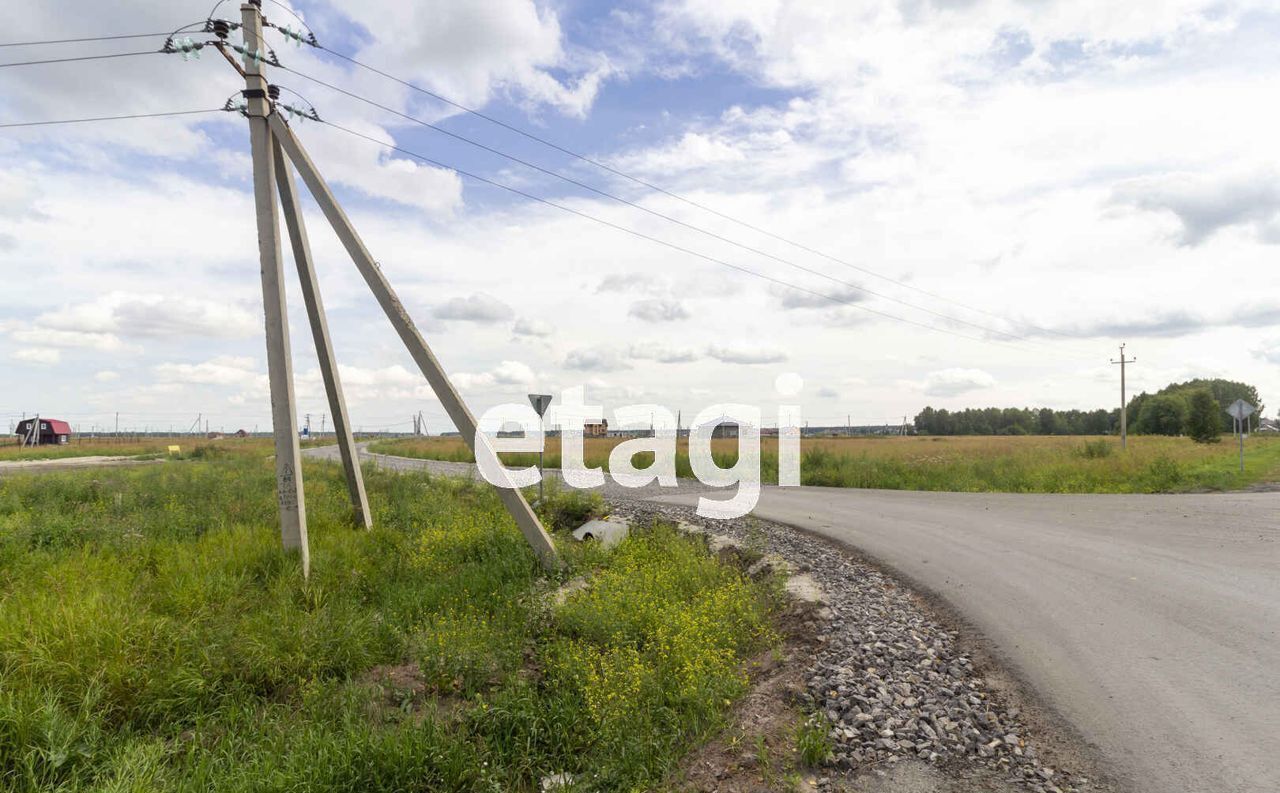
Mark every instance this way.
x=1240 y=410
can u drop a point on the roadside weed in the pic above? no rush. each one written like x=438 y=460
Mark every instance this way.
x=153 y=636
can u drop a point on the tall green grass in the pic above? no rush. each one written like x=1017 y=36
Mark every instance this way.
x=153 y=636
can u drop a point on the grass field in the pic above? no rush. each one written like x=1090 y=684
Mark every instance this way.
x=91 y=447
x=153 y=636
x=1016 y=464
x=130 y=446
x=88 y=447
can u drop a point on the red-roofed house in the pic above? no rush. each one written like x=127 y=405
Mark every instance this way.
x=51 y=430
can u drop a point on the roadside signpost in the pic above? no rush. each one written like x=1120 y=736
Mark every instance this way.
x=1240 y=410
x=540 y=403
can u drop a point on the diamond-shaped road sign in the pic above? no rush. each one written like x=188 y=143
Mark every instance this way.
x=1240 y=410
x=540 y=402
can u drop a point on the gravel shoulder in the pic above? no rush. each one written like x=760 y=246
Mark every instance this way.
x=913 y=703
x=1146 y=621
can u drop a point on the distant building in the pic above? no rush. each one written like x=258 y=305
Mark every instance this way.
x=723 y=428
x=1268 y=425
x=596 y=429
x=51 y=431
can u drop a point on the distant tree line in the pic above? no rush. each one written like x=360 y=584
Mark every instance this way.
x=1016 y=421
x=1196 y=408
x=1167 y=411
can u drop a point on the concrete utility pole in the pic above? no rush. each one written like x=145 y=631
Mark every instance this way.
x=320 y=334
x=1124 y=419
x=293 y=511
x=457 y=410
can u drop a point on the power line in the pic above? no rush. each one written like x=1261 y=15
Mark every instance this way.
x=659 y=241
x=87 y=38
x=642 y=208
x=656 y=188
x=109 y=118
x=82 y=58
x=530 y=196
x=552 y=173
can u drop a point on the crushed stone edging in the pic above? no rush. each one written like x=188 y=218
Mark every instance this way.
x=890 y=680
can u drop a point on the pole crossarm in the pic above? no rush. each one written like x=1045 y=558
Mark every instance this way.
x=512 y=498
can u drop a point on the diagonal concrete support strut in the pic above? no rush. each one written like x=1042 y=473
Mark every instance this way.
x=512 y=498
x=320 y=334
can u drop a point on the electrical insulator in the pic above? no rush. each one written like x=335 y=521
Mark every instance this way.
x=249 y=55
x=273 y=92
x=189 y=49
x=221 y=29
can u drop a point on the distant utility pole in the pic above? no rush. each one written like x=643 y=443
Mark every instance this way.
x=1124 y=418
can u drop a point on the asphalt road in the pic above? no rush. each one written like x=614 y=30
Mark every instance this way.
x=1150 y=623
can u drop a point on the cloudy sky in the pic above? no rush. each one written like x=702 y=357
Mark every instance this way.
x=987 y=198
